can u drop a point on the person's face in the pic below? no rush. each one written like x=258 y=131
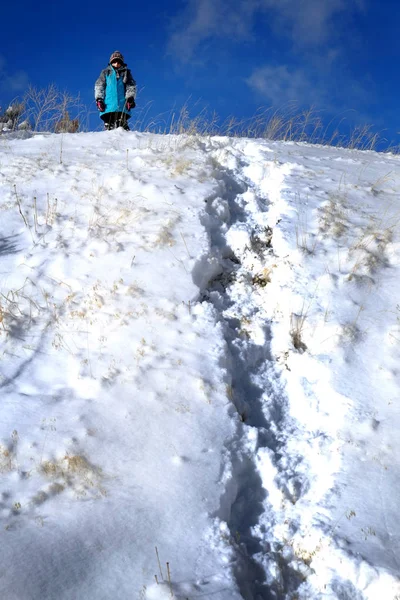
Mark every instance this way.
x=116 y=63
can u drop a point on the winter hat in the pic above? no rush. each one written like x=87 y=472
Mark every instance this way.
x=117 y=56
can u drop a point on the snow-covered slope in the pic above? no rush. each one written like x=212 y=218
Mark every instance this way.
x=199 y=366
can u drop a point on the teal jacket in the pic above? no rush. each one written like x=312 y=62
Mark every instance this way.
x=114 y=87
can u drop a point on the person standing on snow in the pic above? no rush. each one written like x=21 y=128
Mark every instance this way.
x=115 y=92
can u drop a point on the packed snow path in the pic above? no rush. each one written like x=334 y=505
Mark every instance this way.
x=199 y=366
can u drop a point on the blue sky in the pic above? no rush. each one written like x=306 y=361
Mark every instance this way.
x=232 y=56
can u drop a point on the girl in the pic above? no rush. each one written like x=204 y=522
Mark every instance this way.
x=115 y=92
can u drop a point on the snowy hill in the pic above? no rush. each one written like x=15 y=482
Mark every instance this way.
x=200 y=343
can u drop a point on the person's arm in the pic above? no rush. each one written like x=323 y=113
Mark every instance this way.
x=100 y=86
x=130 y=88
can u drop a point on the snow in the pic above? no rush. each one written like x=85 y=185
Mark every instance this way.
x=199 y=344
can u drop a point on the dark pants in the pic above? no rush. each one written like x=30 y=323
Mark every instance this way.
x=113 y=120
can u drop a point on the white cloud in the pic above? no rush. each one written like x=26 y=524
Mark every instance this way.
x=281 y=85
x=205 y=19
x=307 y=23
x=12 y=82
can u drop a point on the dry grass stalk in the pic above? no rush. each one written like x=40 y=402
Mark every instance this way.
x=159 y=565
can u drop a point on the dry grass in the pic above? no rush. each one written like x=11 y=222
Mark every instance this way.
x=287 y=123
x=38 y=222
x=75 y=472
x=369 y=252
x=297 y=323
x=165 y=235
x=6 y=459
x=306 y=240
x=50 y=109
x=333 y=218
x=263 y=278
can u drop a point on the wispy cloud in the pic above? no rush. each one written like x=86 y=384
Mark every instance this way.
x=12 y=82
x=281 y=85
x=308 y=23
x=303 y=87
x=206 y=19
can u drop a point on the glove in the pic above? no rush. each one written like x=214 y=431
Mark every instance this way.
x=130 y=103
x=100 y=105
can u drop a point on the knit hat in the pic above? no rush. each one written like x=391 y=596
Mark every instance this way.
x=117 y=56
